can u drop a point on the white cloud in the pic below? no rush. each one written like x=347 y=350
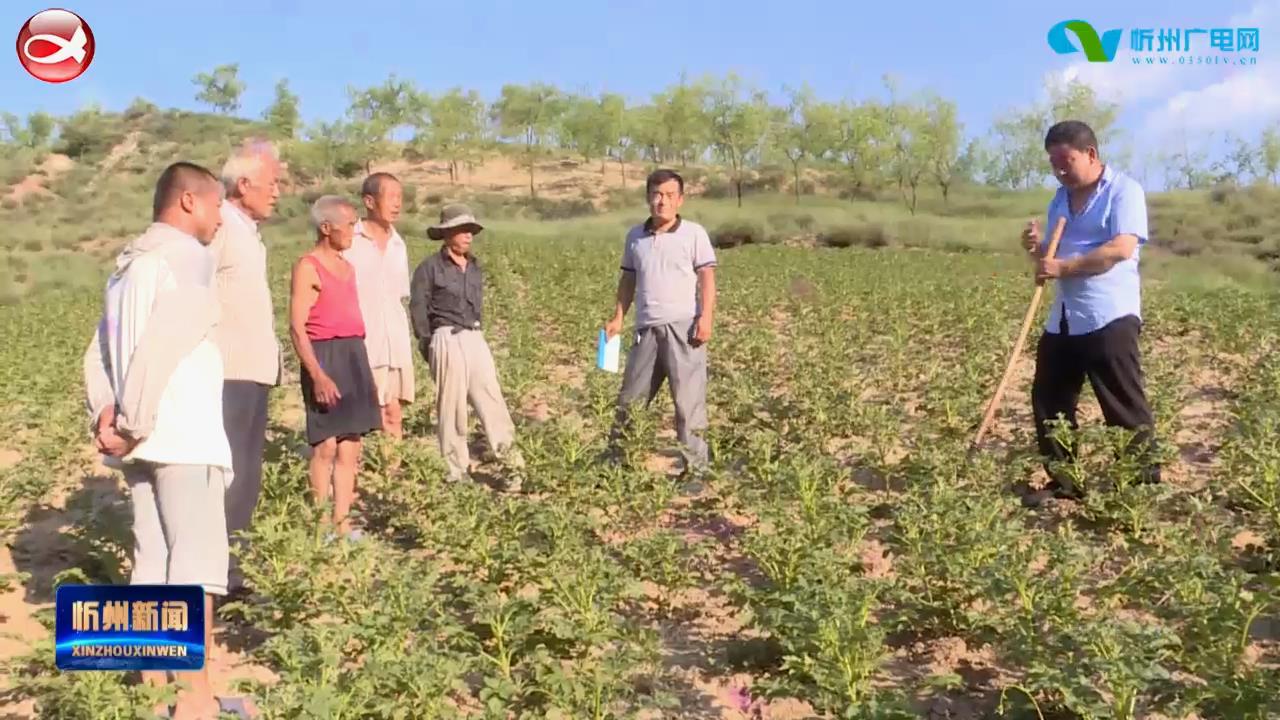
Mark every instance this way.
x=1263 y=13
x=1123 y=82
x=1244 y=99
x=1160 y=100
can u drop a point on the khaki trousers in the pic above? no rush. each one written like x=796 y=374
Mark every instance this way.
x=465 y=375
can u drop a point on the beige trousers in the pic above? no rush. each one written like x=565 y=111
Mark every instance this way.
x=465 y=375
x=179 y=526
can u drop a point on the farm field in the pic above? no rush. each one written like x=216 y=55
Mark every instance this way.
x=842 y=561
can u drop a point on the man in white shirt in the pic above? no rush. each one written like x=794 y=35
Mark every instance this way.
x=381 y=261
x=246 y=333
x=179 y=464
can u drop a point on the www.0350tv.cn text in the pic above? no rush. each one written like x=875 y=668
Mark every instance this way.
x=1193 y=60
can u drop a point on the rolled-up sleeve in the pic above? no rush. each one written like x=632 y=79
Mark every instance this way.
x=1129 y=212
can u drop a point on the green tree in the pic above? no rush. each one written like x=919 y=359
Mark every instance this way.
x=1269 y=152
x=683 y=122
x=739 y=119
x=1018 y=160
x=376 y=113
x=1185 y=165
x=330 y=151
x=1241 y=159
x=911 y=148
x=40 y=126
x=221 y=89
x=452 y=127
x=586 y=129
x=645 y=131
x=942 y=132
x=282 y=114
x=973 y=162
x=13 y=130
x=617 y=122
x=805 y=130
x=1076 y=100
x=863 y=142
x=35 y=134
x=530 y=115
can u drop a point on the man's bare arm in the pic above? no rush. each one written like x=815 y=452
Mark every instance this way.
x=1102 y=258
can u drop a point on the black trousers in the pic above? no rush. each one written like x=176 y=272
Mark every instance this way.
x=1109 y=358
x=244 y=417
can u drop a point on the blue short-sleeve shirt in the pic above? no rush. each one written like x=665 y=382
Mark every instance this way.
x=1118 y=206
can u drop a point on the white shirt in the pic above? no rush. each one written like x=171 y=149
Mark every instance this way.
x=382 y=284
x=188 y=429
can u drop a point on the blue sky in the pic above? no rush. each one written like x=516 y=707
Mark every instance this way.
x=989 y=57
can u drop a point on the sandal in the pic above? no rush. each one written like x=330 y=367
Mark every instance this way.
x=237 y=706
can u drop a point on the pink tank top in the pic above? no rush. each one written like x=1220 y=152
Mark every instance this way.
x=336 y=312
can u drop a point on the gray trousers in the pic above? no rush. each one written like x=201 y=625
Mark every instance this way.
x=244 y=416
x=663 y=352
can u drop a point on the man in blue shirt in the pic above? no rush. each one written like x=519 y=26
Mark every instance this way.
x=1095 y=320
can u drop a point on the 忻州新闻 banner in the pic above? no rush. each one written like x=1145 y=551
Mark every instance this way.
x=129 y=627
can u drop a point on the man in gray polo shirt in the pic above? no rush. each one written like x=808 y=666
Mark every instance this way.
x=668 y=270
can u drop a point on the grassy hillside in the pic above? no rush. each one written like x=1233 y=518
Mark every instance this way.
x=67 y=211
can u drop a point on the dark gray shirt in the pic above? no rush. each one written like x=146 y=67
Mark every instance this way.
x=443 y=294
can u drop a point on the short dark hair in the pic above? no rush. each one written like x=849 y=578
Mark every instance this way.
x=176 y=179
x=657 y=177
x=373 y=184
x=1071 y=132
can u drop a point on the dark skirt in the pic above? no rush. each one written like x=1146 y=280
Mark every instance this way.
x=357 y=412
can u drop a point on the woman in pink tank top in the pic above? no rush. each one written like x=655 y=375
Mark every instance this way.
x=328 y=335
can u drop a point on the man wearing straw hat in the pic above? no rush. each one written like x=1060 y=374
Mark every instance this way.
x=446 y=299
x=1095 y=319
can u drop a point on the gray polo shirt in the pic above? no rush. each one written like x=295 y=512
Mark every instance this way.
x=666 y=267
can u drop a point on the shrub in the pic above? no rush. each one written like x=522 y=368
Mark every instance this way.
x=768 y=179
x=409 y=193
x=348 y=168
x=410 y=228
x=1221 y=193
x=1243 y=220
x=32 y=245
x=872 y=235
x=718 y=188
x=138 y=108
x=623 y=198
x=8 y=203
x=781 y=221
x=1247 y=236
x=491 y=205
x=737 y=232
x=852 y=192
x=89 y=134
x=692 y=176
x=547 y=209
x=805 y=222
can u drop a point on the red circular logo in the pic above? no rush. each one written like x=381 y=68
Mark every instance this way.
x=55 y=45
